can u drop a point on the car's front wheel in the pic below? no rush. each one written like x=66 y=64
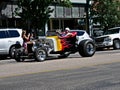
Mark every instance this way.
x=116 y=44
x=40 y=54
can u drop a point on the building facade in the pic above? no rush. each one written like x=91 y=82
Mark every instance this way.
x=60 y=18
x=67 y=17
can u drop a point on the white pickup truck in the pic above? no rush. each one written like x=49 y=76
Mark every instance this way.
x=111 y=38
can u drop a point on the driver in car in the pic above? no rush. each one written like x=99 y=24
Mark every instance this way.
x=67 y=38
x=65 y=34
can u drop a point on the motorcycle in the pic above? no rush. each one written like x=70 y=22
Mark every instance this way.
x=35 y=51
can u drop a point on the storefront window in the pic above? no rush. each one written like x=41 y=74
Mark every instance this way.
x=59 y=11
x=75 y=12
x=82 y=11
x=68 y=12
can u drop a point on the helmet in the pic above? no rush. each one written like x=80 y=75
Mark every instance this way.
x=68 y=29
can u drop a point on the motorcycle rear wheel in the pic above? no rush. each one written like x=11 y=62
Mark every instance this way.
x=17 y=57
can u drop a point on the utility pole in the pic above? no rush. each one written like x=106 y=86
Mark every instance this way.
x=87 y=16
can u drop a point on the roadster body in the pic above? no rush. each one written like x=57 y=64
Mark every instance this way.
x=63 y=46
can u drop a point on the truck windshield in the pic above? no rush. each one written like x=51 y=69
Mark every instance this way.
x=112 y=31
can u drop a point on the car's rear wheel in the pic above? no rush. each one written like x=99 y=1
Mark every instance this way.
x=87 y=48
x=40 y=54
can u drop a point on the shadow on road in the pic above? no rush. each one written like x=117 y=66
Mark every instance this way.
x=4 y=57
x=51 y=58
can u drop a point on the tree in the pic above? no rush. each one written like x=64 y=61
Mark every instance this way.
x=106 y=13
x=36 y=13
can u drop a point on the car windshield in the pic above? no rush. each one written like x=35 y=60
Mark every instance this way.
x=98 y=32
x=51 y=33
x=112 y=31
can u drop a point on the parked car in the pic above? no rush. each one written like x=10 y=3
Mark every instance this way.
x=111 y=38
x=8 y=38
x=81 y=35
x=45 y=46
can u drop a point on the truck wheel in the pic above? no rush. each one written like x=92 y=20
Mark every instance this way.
x=17 y=56
x=116 y=44
x=40 y=54
x=87 y=48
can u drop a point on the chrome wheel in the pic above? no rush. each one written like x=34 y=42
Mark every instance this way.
x=40 y=54
x=90 y=48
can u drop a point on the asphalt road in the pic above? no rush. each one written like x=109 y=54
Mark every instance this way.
x=101 y=77
x=100 y=72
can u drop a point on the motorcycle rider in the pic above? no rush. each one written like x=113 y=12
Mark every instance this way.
x=26 y=40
